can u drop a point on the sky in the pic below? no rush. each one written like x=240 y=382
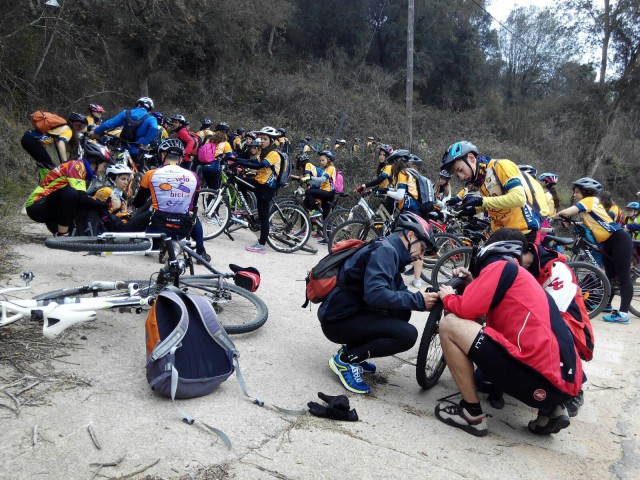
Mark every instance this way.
x=500 y=8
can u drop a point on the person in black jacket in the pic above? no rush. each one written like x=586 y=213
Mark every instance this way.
x=369 y=310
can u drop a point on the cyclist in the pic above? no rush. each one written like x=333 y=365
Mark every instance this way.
x=95 y=115
x=78 y=124
x=238 y=142
x=612 y=208
x=443 y=188
x=63 y=191
x=383 y=170
x=205 y=132
x=63 y=138
x=212 y=171
x=503 y=192
x=369 y=310
x=525 y=349
x=267 y=164
x=632 y=224
x=181 y=132
x=615 y=241
x=548 y=181
x=173 y=192
x=139 y=127
x=536 y=195
x=325 y=191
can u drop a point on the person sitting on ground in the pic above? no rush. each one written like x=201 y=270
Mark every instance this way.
x=525 y=349
x=63 y=191
x=173 y=191
x=369 y=310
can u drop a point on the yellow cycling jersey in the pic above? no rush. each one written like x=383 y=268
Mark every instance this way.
x=62 y=133
x=203 y=134
x=550 y=202
x=408 y=182
x=237 y=143
x=386 y=171
x=265 y=173
x=327 y=185
x=163 y=133
x=310 y=170
x=506 y=197
x=539 y=197
x=596 y=219
x=222 y=148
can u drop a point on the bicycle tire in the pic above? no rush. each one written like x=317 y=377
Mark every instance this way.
x=430 y=363
x=358 y=229
x=95 y=244
x=145 y=286
x=445 y=242
x=309 y=249
x=336 y=218
x=239 y=310
x=289 y=228
x=441 y=272
x=594 y=284
x=213 y=223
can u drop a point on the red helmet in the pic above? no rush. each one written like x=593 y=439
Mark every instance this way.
x=94 y=107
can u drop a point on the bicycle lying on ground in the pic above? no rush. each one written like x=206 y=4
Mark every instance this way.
x=238 y=309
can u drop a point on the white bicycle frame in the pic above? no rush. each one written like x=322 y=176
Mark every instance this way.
x=59 y=314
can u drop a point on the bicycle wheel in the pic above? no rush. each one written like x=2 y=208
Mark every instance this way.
x=95 y=244
x=214 y=218
x=430 y=363
x=146 y=288
x=445 y=242
x=336 y=218
x=239 y=310
x=441 y=272
x=289 y=228
x=359 y=229
x=594 y=285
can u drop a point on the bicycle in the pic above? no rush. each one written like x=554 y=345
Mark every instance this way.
x=289 y=225
x=238 y=309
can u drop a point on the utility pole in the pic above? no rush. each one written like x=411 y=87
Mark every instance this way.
x=410 y=74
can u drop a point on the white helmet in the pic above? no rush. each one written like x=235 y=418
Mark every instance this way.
x=146 y=103
x=269 y=132
x=118 y=169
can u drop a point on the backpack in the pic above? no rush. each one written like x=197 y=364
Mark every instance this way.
x=197 y=143
x=207 y=152
x=129 y=132
x=45 y=121
x=338 y=185
x=426 y=196
x=323 y=278
x=285 y=169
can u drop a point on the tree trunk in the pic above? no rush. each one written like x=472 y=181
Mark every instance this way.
x=605 y=41
x=271 y=37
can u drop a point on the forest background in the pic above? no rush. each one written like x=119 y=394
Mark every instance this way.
x=337 y=69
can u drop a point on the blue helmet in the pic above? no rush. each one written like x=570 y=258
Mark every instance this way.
x=633 y=206
x=457 y=151
x=327 y=154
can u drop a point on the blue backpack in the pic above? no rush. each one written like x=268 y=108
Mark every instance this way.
x=285 y=169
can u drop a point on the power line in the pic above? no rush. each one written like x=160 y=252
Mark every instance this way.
x=513 y=35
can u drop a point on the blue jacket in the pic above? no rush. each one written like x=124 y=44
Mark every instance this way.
x=371 y=280
x=146 y=132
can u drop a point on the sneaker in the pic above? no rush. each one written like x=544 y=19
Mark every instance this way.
x=548 y=423
x=316 y=235
x=496 y=399
x=607 y=309
x=367 y=367
x=58 y=234
x=617 y=317
x=203 y=253
x=322 y=241
x=456 y=416
x=314 y=214
x=416 y=282
x=239 y=213
x=572 y=406
x=256 y=248
x=408 y=272
x=580 y=398
x=349 y=374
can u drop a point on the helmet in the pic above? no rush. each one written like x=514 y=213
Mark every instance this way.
x=342 y=141
x=256 y=142
x=327 y=154
x=172 y=145
x=308 y=139
x=223 y=127
x=97 y=151
x=528 y=169
x=414 y=160
x=504 y=249
x=94 y=107
x=388 y=149
x=457 y=151
x=398 y=155
x=302 y=160
x=418 y=225
x=548 y=178
x=207 y=122
x=118 y=169
x=282 y=131
x=588 y=183
x=445 y=174
x=158 y=115
x=77 y=117
x=145 y=102
x=633 y=206
x=252 y=135
x=179 y=118
x=240 y=131
x=269 y=132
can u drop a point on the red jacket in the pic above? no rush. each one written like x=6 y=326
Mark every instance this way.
x=526 y=323
x=182 y=134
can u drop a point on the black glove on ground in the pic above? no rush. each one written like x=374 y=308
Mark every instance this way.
x=332 y=412
x=340 y=402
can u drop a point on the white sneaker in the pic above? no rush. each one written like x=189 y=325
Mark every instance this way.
x=416 y=282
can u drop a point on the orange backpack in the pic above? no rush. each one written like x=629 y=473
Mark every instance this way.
x=45 y=121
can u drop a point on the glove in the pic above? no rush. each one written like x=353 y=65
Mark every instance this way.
x=452 y=201
x=472 y=201
x=338 y=408
x=360 y=188
x=469 y=210
x=340 y=402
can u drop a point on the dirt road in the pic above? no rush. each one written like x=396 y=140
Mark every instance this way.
x=81 y=407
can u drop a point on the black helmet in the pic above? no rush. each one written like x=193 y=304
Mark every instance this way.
x=414 y=160
x=302 y=161
x=240 y=131
x=77 y=117
x=457 y=151
x=503 y=249
x=327 y=154
x=445 y=174
x=588 y=183
x=396 y=155
x=282 y=131
x=96 y=151
x=207 y=122
x=223 y=127
x=172 y=145
x=179 y=118
x=158 y=116
x=528 y=169
x=418 y=225
x=256 y=142
x=307 y=138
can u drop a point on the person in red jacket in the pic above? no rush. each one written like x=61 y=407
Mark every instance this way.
x=181 y=132
x=525 y=348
